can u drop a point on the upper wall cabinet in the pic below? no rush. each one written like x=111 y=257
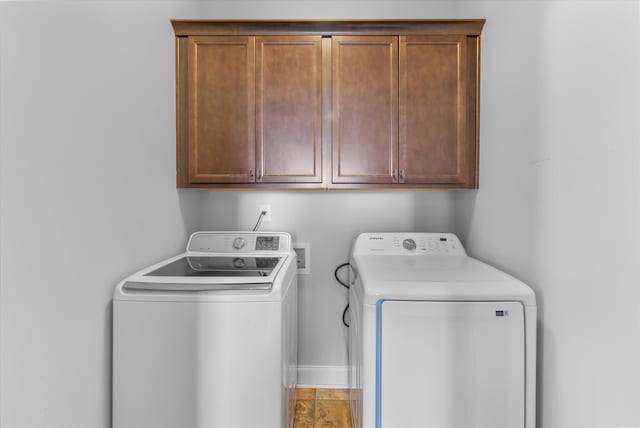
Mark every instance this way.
x=434 y=101
x=288 y=109
x=365 y=109
x=327 y=104
x=221 y=104
x=255 y=109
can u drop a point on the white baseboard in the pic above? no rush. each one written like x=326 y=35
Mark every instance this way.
x=323 y=376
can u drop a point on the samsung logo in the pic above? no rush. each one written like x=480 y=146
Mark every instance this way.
x=376 y=238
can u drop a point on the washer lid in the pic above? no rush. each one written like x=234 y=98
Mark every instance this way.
x=221 y=266
x=181 y=287
x=195 y=272
x=436 y=278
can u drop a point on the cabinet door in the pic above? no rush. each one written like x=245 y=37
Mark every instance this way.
x=365 y=104
x=221 y=109
x=289 y=109
x=433 y=108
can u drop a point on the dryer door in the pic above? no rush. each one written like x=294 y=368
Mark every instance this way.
x=450 y=364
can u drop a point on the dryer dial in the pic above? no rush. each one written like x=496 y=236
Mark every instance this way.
x=409 y=244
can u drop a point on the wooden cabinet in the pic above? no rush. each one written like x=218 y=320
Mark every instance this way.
x=365 y=109
x=289 y=109
x=221 y=106
x=327 y=104
x=255 y=109
x=433 y=108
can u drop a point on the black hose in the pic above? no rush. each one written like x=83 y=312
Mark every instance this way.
x=335 y=274
x=344 y=314
x=345 y=285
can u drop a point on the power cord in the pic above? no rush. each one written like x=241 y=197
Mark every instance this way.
x=262 y=214
x=345 y=285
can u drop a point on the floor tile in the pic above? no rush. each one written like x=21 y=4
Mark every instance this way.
x=332 y=414
x=305 y=414
x=305 y=394
x=332 y=394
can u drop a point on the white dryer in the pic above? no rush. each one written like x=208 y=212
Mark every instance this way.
x=437 y=338
x=208 y=338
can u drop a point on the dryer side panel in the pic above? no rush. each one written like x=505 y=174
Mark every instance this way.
x=451 y=364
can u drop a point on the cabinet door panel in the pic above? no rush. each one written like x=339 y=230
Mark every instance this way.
x=221 y=109
x=433 y=99
x=365 y=104
x=289 y=108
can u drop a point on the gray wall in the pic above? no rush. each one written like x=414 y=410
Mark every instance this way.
x=559 y=198
x=87 y=192
x=87 y=195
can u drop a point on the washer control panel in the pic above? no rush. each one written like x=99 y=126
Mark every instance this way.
x=239 y=242
x=433 y=244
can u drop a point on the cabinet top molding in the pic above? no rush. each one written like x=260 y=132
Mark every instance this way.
x=206 y=27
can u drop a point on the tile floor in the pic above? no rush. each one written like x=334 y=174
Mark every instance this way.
x=322 y=408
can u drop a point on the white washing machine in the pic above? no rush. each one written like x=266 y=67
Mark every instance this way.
x=437 y=338
x=209 y=338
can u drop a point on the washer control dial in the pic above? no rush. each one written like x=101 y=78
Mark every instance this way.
x=409 y=244
x=239 y=243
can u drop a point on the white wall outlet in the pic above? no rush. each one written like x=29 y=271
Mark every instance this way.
x=303 y=260
x=267 y=208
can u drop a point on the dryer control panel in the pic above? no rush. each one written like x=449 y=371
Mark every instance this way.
x=422 y=244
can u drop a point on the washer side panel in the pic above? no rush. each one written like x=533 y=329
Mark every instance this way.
x=193 y=364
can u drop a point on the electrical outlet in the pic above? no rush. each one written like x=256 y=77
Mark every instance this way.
x=267 y=208
x=302 y=257
x=301 y=260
